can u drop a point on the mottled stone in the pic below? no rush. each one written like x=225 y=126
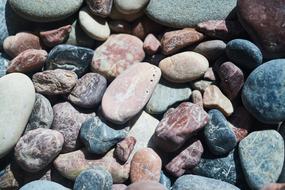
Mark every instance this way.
x=55 y=37
x=211 y=49
x=43 y=185
x=129 y=92
x=124 y=149
x=100 y=7
x=8 y=179
x=69 y=57
x=174 y=41
x=151 y=44
x=197 y=98
x=37 y=148
x=119 y=187
x=68 y=121
x=142 y=185
x=201 y=85
x=120 y=26
x=130 y=6
x=178 y=125
x=88 y=91
x=262 y=155
x=274 y=186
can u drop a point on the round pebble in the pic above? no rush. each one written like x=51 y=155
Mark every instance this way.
x=43 y=185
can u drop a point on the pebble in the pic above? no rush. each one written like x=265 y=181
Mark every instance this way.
x=219 y=136
x=274 y=186
x=4 y=62
x=145 y=165
x=174 y=41
x=213 y=98
x=17 y=101
x=165 y=181
x=119 y=187
x=165 y=95
x=124 y=149
x=197 y=98
x=178 y=125
x=244 y=54
x=262 y=94
x=142 y=185
x=45 y=10
x=210 y=75
x=185 y=13
x=97 y=178
x=55 y=37
x=115 y=55
x=100 y=8
x=43 y=185
x=28 y=61
x=69 y=57
x=262 y=155
x=127 y=95
x=120 y=26
x=88 y=91
x=117 y=15
x=151 y=44
x=130 y=6
x=37 y=148
x=184 y=67
x=211 y=49
x=95 y=27
x=201 y=85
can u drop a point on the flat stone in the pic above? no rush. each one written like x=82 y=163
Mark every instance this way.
x=118 y=53
x=211 y=49
x=37 y=148
x=101 y=8
x=69 y=57
x=184 y=67
x=185 y=13
x=17 y=100
x=43 y=185
x=130 y=6
x=4 y=62
x=262 y=155
x=151 y=44
x=124 y=149
x=129 y=92
x=55 y=37
x=46 y=10
x=141 y=185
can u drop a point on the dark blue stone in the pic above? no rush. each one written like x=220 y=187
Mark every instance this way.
x=263 y=93
x=43 y=185
x=219 y=136
x=3 y=65
x=69 y=57
x=165 y=181
x=244 y=54
x=93 y=179
x=99 y=137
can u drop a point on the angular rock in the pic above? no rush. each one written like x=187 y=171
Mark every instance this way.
x=141 y=185
x=151 y=44
x=124 y=149
x=43 y=185
x=55 y=37
x=130 y=6
x=197 y=98
x=100 y=7
x=211 y=49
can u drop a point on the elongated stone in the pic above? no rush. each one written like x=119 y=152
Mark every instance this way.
x=55 y=37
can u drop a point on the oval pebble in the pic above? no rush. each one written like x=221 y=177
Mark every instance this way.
x=130 y=6
x=43 y=185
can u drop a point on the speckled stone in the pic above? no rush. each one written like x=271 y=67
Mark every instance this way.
x=69 y=57
x=185 y=13
x=165 y=181
x=4 y=62
x=211 y=49
x=97 y=178
x=262 y=94
x=45 y=10
x=100 y=7
x=43 y=185
x=142 y=185
x=262 y=155
x=194 y=182
x=56 y=36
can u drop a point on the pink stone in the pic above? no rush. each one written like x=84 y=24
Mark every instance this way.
x=57 y=36
x=146 y=185
x=151 y=44
x=210 y=75
x=125 y=148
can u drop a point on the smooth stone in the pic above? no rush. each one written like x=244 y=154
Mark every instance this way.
x=201 y=85
x=4 y=62
x=165 y=95
x=195 y=182
x=100 y=8
x=262 y=155
x=142 y=185
x=17 y=97
x=55 y=37
x=274 y=186
x=95 y=27
x=42 y=114
x=262 y=94
x=244 y=54
x=185 y=13
x=37 y=148
x=43 y=185
x=97 y=178
x=88 y=91
x=45 y=10
x=184 y=67
x=210 y=75
x=117 y=15
x=130 y=6
x=117 y=54
x=151 y=44
x=127 y=95
x=211 y=49
x=69 y=57
x=119 y=187
x=124 y=149
x=165 y=181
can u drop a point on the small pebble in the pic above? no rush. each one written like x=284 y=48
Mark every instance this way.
x=55 y=37
x=125 y=148
x=151 y=44
x=101 y=8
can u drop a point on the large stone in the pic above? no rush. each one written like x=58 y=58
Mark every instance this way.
x=43 y=185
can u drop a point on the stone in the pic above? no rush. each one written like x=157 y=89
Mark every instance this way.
x=145 y=165
x=262 y=155
x=37 y=148
x=4 y=62
x=97 y=178
x=231 y=79
x=195 y=182
x=55 y=37
x=95 y=27
x=178 y=125
x=184 y=67
x=126 y=48
x=174 y=41
x=68 y=120
x=281 y=130
x=8 y=179
x=17 y=101
x=69 y=57
x=28 y=61
x=185 y=160
x=130 y=6
x=244 y=54
x=43 y=185
x=185 y=13
x=201 y=85
x=151 y=44
x=45 y=11
x=197 y=98
x=141 y=185
x=42 y=114
x=101 y=8
x=221 y=29
x=210 y=75
x=264 y=25
x=119 y=187
x=117 y=15
x=213 y=98
x=120 y=26
x=274 y=186
x=124 y=149
x=165 y=181
x=127 y=95
x=165 y=95
x=14 y=45
x=262 y=94
x=211 y=49
x=219 y=137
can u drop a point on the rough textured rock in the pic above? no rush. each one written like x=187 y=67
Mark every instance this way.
x=141 y=185
x=211 y=49
x=130 y=6
x=55 y=37
x=151 y=44
x=43 y=185
x=124 y=149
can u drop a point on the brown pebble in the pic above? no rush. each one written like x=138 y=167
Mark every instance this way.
x=125 y=148
x=57 y=36
x=151 y=44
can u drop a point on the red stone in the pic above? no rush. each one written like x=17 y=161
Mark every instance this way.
x=54 y=37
